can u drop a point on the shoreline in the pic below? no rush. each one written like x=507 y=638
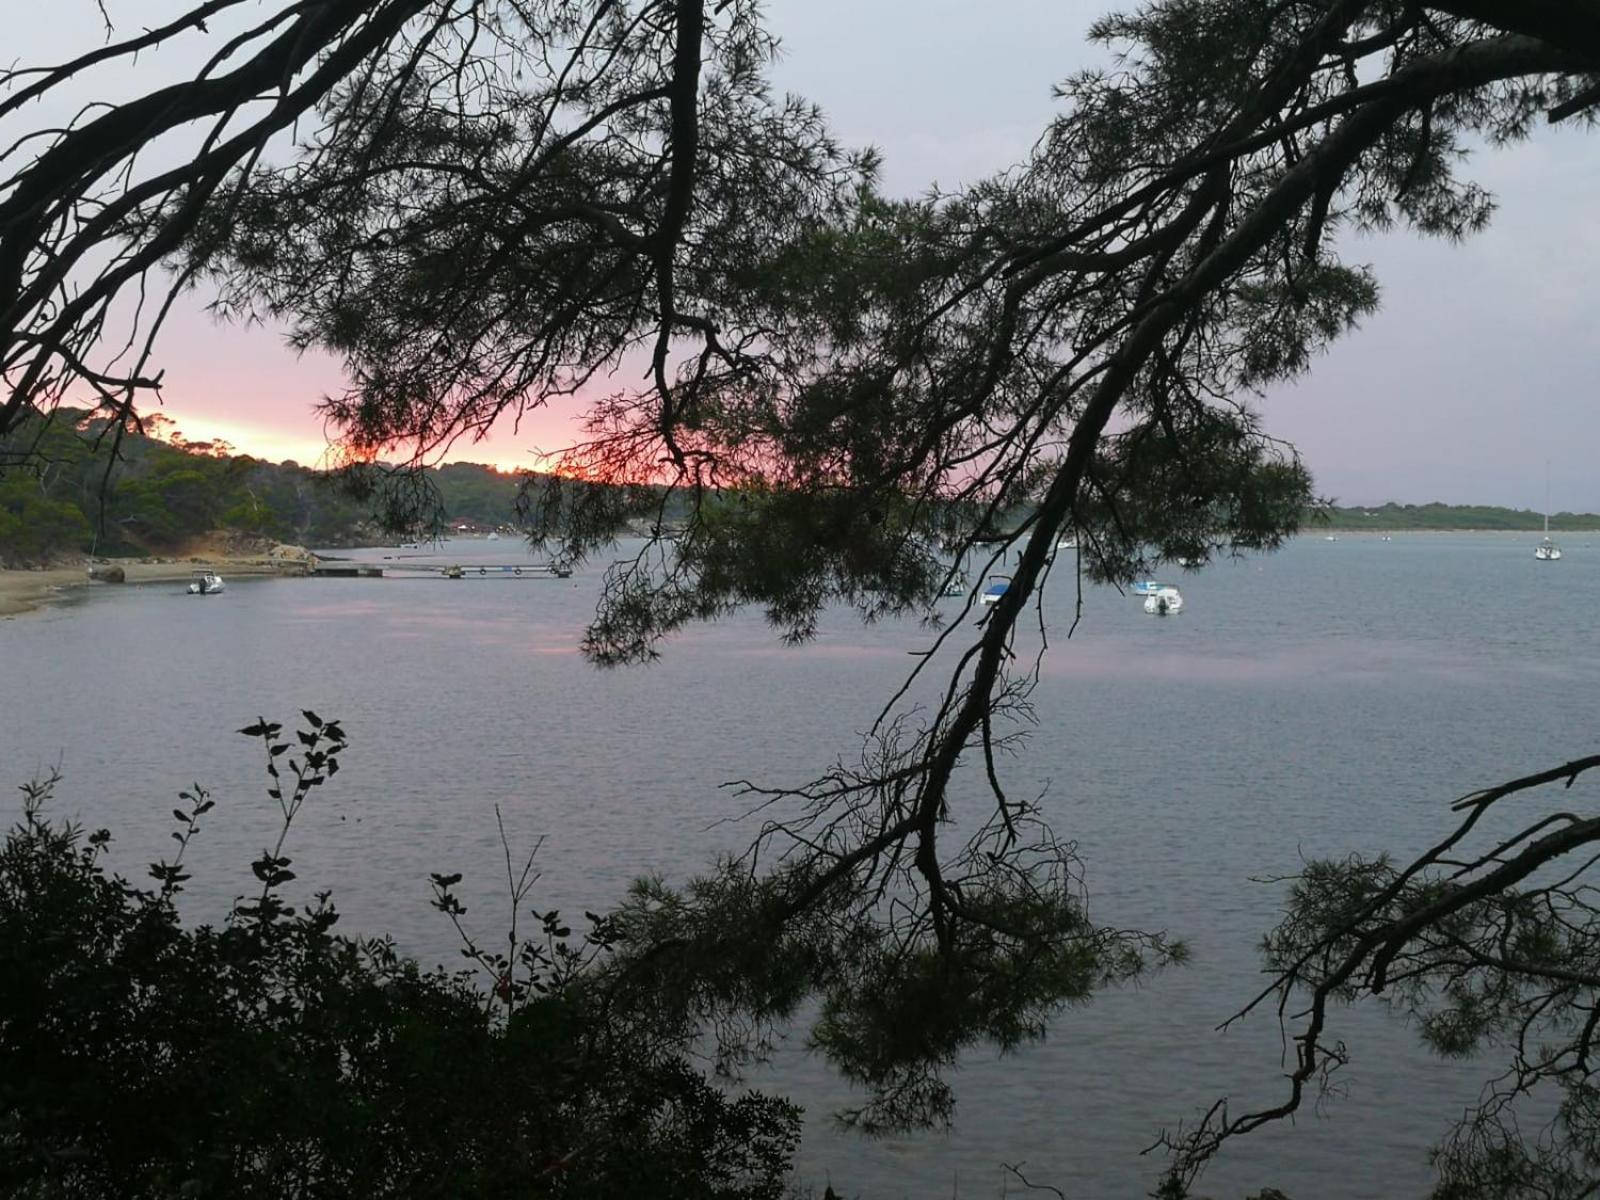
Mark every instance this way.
x=25 y=591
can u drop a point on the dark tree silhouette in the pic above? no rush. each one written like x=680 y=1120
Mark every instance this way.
x=496 y=201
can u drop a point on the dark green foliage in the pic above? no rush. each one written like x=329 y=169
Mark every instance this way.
x=853 y=395
x=902 y=986
x=34 y=529
x=271 y=1056
x=1509 y=974
x=1488 y=945
x=1187 y=488
x=66 y=496
x=1391 y=516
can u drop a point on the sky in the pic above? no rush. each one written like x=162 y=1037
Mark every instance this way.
x=1479 y=369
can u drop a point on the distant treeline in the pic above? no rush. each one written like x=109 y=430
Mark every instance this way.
x=1445 y=516
x=162 y=494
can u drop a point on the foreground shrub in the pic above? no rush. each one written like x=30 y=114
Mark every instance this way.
x=272 y=1056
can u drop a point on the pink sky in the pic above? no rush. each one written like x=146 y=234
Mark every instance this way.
x=243 y=385
x=1477 y=371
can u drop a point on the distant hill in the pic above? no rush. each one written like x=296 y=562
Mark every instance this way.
x=1398 y=517
x=163 y=495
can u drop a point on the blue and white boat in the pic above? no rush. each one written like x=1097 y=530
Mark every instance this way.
x=998 y=586
x=1146 y=587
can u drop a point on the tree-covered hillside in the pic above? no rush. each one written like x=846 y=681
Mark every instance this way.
x=1392 y=516
x=161 y=495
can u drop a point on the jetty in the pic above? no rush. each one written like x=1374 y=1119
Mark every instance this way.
x=398 y=570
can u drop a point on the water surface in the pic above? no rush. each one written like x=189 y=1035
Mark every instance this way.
x=1331 y=698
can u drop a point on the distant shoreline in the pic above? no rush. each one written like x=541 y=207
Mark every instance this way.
x=1442 y=518
x=23 y=590
x=1320 y=531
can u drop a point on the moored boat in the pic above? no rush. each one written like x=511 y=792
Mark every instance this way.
x=205 y=583
x=998 y=585
x=1547 y=550
x=1164 y=602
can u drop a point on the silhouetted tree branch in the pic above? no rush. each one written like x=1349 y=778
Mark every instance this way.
x=502 y=201
x=1487 y=941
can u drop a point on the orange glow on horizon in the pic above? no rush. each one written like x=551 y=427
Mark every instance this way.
x=278 y=445
x=258 y=441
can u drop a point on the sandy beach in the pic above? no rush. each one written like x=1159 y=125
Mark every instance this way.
x=25 y=591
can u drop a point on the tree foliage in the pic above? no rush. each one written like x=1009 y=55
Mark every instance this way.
x=158 y=495
x=1489 y=944
x=271 y=1056
x=1451 y=517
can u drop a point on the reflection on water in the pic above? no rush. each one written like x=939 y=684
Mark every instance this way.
x=1332 y=698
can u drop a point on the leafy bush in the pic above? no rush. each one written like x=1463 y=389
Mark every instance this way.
x=32 y=528
x=272 y=1056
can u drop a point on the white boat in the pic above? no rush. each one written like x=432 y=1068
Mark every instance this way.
x=1330 y=538
x=956 y=587
x=1067 y=544
x=205 y=583
x=493 y=537
x=1546 y=550
x=1164 y=602
x=1146 y=587
x=998 y=585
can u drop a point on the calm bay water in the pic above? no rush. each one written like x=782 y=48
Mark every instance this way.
x=1331 y=698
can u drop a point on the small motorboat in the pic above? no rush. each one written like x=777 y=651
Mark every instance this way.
x=956 y=587
x=1146 y=587
x=998 y=586
x=1166 y=602
x=205 y=583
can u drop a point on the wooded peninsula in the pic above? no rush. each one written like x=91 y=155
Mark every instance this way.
x=162 y=493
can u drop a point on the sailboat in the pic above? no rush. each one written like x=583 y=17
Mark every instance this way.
x=1546 y=550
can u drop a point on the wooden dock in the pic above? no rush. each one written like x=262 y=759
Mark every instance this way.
x=350 y=570
x=347 y=571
